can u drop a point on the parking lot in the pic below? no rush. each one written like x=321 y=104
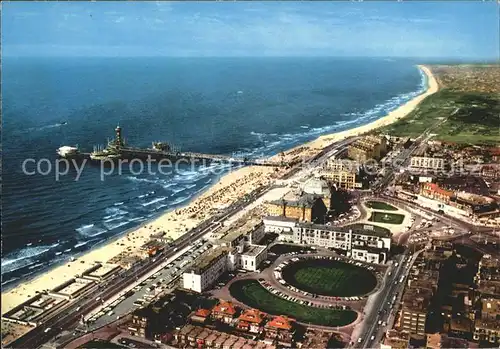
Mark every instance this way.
x=145 y=291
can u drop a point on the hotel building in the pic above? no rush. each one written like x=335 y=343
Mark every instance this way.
x=308 y=208
x=206 y=270
x=427 y=163
x=369 y=147
x=342 y=173
x=366 y=245
x=209 y=267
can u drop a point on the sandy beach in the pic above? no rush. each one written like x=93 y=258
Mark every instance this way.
x=174 y=223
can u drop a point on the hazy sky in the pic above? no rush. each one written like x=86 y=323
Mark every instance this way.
x=416 y=29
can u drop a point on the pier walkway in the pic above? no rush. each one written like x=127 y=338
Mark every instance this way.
x=140 y=153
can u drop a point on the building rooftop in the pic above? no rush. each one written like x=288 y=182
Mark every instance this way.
x=490 y=324
x=153 y=244
x=253 y=250
x=487 y=261
x=241 y=228
x=475 y=199
x=435 y=188
x=305 y=200
x=461 y=324
x=317 y=186
x=491 y=306
x=369 y=249
x=204 y=261
x=252 y=316
x=307 y=225
x=73 y=287
x=225 y=307
x=416 y=300
x=280 y=322
x=104 y=270
x=203 y=312
x=281 y=219
x=397 y=339
x=316 y=339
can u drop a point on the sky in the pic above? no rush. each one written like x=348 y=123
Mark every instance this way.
x=389 y=29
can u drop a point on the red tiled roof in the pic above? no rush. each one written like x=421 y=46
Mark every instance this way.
x=243 y=324
x=252 y=315
x=435 y=188
x=203 y=312
x=280 y=322
x=495 y=151
x=225 y=308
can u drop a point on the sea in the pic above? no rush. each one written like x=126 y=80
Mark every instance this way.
x=246 y=107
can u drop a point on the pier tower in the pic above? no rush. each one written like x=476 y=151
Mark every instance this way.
x=118 y=138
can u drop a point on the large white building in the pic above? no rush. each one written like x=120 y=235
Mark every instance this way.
x=427 y=163
x=206 y=270
x=251 y=257
x=209 y=267
x=366 y=244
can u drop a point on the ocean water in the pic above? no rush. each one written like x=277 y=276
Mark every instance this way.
x=242 y=106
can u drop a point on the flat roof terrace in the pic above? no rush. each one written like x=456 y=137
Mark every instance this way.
x=72 y=288
x=205 y=261
x=253 y=250
x=241 y=228
x=104 y=270
x=101 y=271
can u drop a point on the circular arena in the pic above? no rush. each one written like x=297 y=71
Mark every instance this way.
x=328 y=277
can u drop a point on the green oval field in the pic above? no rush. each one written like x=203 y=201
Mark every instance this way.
x=329 y=278
x=253 y=294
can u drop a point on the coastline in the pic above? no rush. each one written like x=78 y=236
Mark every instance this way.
x=176 y=222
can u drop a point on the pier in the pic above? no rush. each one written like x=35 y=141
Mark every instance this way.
x=117 y=150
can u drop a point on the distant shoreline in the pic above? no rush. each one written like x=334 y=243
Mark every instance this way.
x=170 y=220
x=393 y=116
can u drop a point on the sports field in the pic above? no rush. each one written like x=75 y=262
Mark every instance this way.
x=251 y=293
x=379 y=205
x=388 y=218
x=329 y=278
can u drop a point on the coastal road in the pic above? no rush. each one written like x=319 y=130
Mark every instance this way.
x=71 y=316
x=377 y=320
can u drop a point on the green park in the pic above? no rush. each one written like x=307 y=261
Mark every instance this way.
x=386 y=218
x=379 y=205
x=251 y=293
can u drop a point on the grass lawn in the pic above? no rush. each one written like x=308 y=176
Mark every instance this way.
x=251 y=293
x=379 y=205
x=388 y=218
x=329 y=278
